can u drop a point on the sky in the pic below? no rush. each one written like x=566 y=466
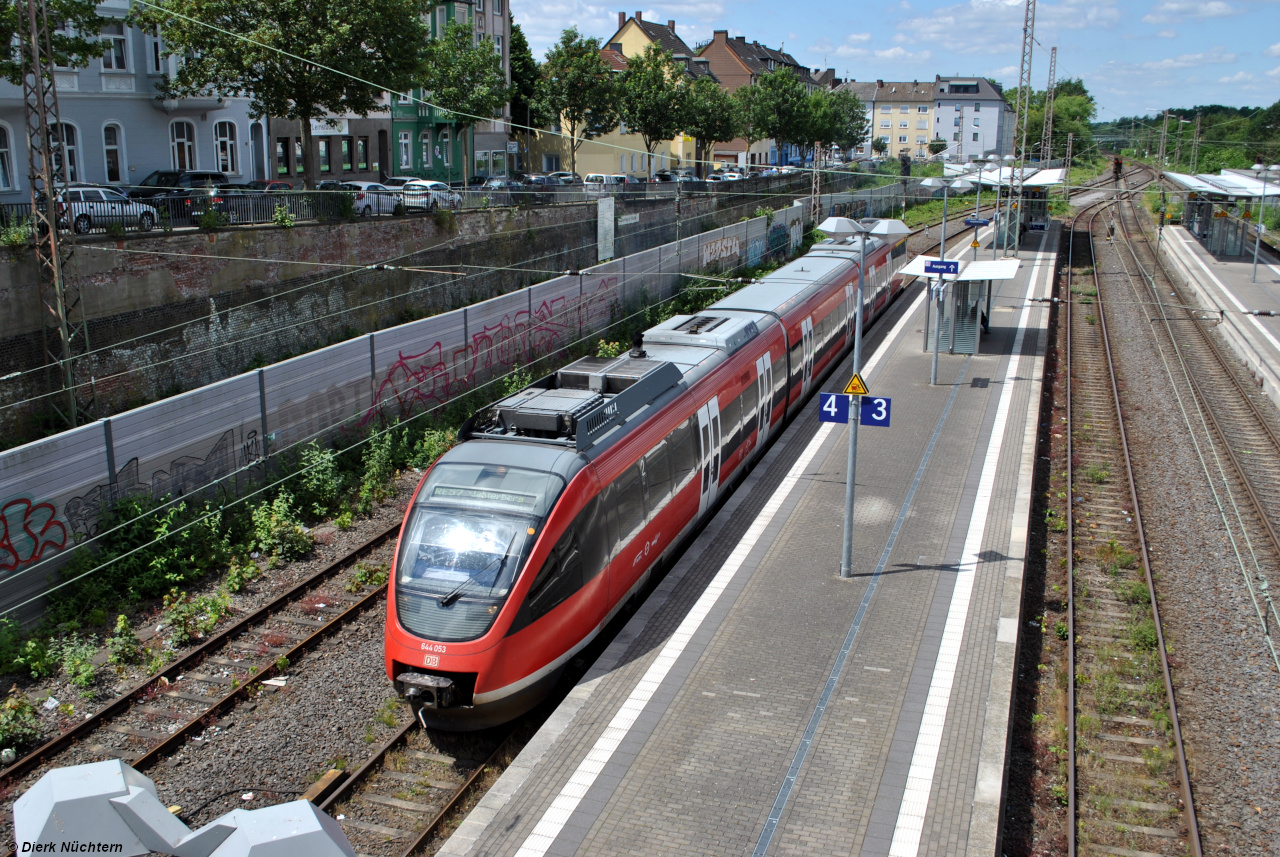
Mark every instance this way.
x=1137 y=57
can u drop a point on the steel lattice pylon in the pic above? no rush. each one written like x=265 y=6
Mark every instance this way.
x=65 y=327
x=1046 y=139
x=1020 y=129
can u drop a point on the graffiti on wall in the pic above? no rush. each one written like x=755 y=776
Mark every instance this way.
x=722 y=248
x=234 y=450
x=440 y=372
x=27 y=531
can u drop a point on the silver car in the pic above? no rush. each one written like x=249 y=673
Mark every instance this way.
x=428 y=195
x=372 y=198
x=87 y=208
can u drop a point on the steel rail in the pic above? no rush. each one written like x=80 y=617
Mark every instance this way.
x=63 y=740
x=1189 y=812
x=456 y=800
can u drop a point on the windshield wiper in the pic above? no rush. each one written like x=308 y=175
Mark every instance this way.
x=456 y=592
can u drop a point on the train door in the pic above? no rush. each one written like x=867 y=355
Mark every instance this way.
x=764 y=392
x=806 y=341
x=709 y=447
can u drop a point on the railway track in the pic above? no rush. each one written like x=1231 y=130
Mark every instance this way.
x=158 y=715
x=1128 y=788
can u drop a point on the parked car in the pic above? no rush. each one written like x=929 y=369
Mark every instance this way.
x=428 y=195
x=84 y=207
x=372 y=198
x=236 y=204
x=601 y=184
x=500 y=190
x=540 y=189
x=167 y=181
x=399 y=181
x=259 y=184
x=566 y=177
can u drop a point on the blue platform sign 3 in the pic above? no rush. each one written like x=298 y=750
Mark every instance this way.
x=875 y=411
x=833 y=408
x=942 y=267
x=977 y=221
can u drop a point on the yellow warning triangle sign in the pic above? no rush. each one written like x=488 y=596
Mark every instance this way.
x=856 y=386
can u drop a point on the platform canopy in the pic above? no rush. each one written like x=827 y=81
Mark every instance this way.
x=1046 y=178
x=1240 y=184
x=998 y=269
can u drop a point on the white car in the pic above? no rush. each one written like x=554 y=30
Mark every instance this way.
x=85 y=208
x=372 y=198
x=428 y=195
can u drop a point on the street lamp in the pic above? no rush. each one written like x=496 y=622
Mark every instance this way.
x=1262 y=172
x=959 y=186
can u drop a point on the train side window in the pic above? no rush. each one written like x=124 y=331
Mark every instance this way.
x=591 y=524
x=559 y=577
x=797 y=362
x=683 y=453
x=750 y=402
x=898 y=250
x=779 y=381
x=730 y=425
x=657 y=474
x=629 y=504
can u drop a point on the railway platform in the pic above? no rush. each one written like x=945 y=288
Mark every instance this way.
x=756 y=703
x=1223 y=285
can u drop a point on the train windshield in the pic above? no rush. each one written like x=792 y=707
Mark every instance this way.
x=464 y=542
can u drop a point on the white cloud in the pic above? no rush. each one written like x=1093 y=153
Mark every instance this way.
x=1275 y=72
x=1168 y=34
x=1273 y=51
x=1210 y=57
x=1175 y=10
x=897 y=54
x=1238 y=77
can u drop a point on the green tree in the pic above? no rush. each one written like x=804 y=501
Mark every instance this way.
x=581 y=89
x=465 y=78
x=753 y=113
x=937 y=146
x=714 y=116
x=879 y=145
x=527 y=107
x=295 y=59
x=850 y=117
x=73 y=46
x=653 y=96
x=788 y=109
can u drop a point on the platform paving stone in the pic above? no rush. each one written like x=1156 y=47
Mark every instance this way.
x=699 y=771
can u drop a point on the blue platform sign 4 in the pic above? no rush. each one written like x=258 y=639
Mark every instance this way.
x=941 y=267
x=977 y=221
x=833 y=408
x=875 y=411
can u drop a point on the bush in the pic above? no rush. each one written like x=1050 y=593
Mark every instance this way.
x=277 y=531
x=122 y=645
x=149 y=550
x=75 y=657
x=399 y=210
x=35 y=658
x=240 y=573
x=18 y=723
x=433 y=444
x=283 y=217
x=18 y=234
x=192 y=618
x=115 y=230
x=345 y=206
x=610 y=349
x=379 y=470
x=319 y=482
x=211 y=220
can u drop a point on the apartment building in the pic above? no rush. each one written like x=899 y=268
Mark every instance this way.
x=971 y=114
x=114 y=129
x=901 y=113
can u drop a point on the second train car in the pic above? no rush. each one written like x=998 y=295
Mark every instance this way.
x=522 y=541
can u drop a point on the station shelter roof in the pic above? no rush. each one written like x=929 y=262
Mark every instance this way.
x=991 y=176
x=1227 y=183
x=1046 y=178
x=987 y=269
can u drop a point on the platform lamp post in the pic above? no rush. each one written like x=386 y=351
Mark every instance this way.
x=1008 y=208
x=959 y=186
x=1262 y=172
x=994 y=160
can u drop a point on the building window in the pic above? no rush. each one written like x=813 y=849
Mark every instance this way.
x=155 y=53
x=325 y=146
x=442 y=19
x=479 y=5
x=482 y=164
x=885 y=123
x=406 y=150
x=111 y=136
x=957 y=108
x=362 y=153
x=977 y=105
x=551 y=163
x=480 y=23
x=404 y=97
x=224 y=146
x=903 y=124
x=116 y=57
x=955 y=138
x=633 y=162
x=299 y=156
x=346 y=154
x=499 y=164
x=182 y=145
x=886 y=108
x=902 y=138
x=445 y=147
x=922 y=124
x=924 y=108
x=497 y=7
x=920 y=140
x=497 y=44
x=6 y=161
x=975 y=122
x=975 y=136
x=904 y=109
x=424 y=146
x=282 y=156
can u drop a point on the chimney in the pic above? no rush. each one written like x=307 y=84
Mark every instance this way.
x=716 y=34
x=879 y=84
x=622 y=20
x=671 y=25
x=639 y=16
x=740 y=39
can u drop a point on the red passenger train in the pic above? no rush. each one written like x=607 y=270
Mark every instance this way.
x=523 y=540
